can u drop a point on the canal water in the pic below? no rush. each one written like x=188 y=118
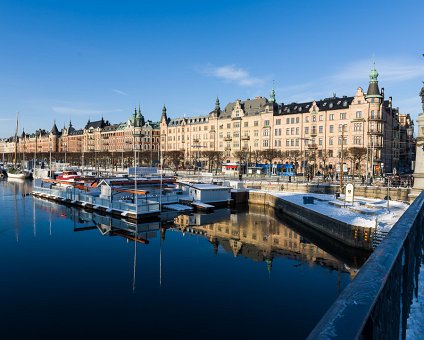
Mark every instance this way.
x=240 y=274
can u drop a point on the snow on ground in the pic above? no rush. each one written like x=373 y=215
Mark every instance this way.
x=415 y=324
x=363 y=213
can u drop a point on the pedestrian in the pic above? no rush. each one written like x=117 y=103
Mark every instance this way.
x=363 y=179
x=412 y=181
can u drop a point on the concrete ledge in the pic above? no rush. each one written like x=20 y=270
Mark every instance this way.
x=353 y=236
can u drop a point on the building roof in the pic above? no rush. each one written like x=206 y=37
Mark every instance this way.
x=54 y=131
x=250 y=107
x=98 y=124
x=189 y=121
x=327 y=104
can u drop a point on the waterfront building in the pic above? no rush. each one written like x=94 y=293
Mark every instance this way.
x=363 y=128
x=95 y=139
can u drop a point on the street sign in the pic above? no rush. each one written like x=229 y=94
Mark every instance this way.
x=349 y=193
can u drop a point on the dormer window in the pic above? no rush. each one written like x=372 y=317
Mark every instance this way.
x=330 y=105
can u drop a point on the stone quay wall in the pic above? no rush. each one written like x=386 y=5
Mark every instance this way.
x=353 y=236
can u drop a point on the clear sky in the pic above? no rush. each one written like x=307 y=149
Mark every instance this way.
x=62 y=60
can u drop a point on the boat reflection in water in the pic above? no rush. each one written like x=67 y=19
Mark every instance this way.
x=226 y=272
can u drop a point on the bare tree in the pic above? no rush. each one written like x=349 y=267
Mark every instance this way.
x=174 y=158
x=293 y=156
x=256 y=156
x=219 y=158
x=269 y=155
x=210 y=156
x=356 y=154
x=242 y=156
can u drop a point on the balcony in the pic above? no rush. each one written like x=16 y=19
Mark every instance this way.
x=375 y=117
x=245 y=137
x=227 y=148
x=313 y=146
x=228 y=138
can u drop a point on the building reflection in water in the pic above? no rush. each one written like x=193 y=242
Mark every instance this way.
x=259 y=235
x=255 y=233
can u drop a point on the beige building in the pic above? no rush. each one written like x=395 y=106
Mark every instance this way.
x=316 y=131
x=96 y=137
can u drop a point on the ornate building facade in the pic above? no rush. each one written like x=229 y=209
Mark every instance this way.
x=96 y=137
x=318 y=131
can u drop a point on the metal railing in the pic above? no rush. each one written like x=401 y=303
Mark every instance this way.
x=377 y=302
x=147 y=204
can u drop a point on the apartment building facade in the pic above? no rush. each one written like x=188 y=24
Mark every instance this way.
x=317 y=131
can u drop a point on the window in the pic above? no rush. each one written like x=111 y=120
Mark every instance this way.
x=330 y=153
x=288 y=121
x=297 y=119
x=358 y=114
x=297 y=142
x=246 y=124
x=357 y=140
x=321 y=118
x=287 y=142
x=236 y=125
x=292 y=142
x=357 y=127
x=320 y=141
x=331 y=141
x=306 y=130
x=321 y=129
x=255 y=123
x=331 y=128
x=331 y=116
x=255 y=133
x=297 y=130
x=265 y=143
x=342 y=115
x=229 y=126
x=265 y=132
x=372 y=114
x=307 y=119
x=292 y=131
x=278 y=122
x=287 y=131
x=314 y=118
x=292 y=120
x=266 y=122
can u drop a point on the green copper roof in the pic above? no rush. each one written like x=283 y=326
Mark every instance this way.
x=373 y=74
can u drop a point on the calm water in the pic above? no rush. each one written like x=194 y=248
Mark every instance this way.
x=66 y=273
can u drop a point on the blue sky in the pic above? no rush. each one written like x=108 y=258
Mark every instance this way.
x=62 y=60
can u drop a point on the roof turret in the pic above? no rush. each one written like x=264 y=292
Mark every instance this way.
x=54 y=131
x=373 y=90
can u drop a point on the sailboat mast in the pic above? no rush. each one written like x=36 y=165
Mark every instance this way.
x=16 y=138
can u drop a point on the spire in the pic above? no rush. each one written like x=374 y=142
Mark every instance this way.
x=164 y=115
x=373 y=90
x=269 y=265
x=54 y=131
x=272 y=94
x=217 y=106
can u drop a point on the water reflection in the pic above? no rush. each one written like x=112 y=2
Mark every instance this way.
x=73 y=262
